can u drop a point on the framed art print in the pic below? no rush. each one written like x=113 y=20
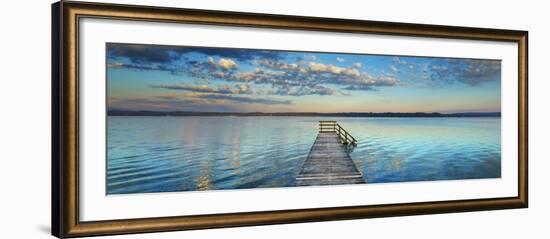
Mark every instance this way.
x=174 y=119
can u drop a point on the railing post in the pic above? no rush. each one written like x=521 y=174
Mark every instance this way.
x=346 y=141
x=343 y=135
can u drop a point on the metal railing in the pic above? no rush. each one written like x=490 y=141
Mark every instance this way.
x=333 y=127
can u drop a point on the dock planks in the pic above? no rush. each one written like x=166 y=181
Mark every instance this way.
x=328 y=163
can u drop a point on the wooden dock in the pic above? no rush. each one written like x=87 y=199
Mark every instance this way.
x=329 y=162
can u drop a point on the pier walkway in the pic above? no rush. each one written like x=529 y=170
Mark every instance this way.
x=329 y=162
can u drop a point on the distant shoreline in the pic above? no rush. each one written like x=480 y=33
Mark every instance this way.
x=304 y=114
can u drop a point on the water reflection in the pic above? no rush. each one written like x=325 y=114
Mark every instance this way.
x=165 y=154
x=203 y=182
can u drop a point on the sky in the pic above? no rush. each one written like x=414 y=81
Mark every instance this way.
x=183 y=78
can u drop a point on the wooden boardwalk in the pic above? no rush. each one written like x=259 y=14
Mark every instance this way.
x=328 y=162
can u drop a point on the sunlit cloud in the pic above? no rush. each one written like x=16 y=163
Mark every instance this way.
x=300 y=78
x=227 y=64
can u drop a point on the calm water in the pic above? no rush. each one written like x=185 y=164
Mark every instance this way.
x=167 y=154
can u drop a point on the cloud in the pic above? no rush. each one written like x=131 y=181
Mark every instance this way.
x=297 y=78
x=311 y=57
x=244 y=89
x=243 y=55
x=304 y=90
x=279 y=65
x=142 y=67
x=227 y=64
x=320 y=90
x=160 y=103
x=398 y=61
x=224 y=64
x=157 y=54
x=242 y=99
x=331 y=69
x=472 y=72
x=239 y=79
x=438 y=71
x=170 y=103
x=372 y=83
x=115 y=65
x=196 y=88
x=360 y=87
x=223 y=89
x=143 y=54
x=198 y=102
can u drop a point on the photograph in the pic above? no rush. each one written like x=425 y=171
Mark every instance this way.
x=195 y=118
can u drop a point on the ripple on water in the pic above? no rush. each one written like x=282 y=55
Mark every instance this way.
x=167 y=154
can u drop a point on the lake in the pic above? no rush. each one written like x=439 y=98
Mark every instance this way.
x=170 y=154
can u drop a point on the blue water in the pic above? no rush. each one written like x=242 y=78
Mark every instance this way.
x=169 y=154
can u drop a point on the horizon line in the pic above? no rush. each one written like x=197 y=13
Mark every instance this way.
x=305 y=112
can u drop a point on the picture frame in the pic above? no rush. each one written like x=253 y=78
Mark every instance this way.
x=67 y=147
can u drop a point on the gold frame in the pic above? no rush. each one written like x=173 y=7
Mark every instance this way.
x=65 y=127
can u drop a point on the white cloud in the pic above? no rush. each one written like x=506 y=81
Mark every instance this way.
x=227 y=63
x=293 y=78
x=322 y=68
